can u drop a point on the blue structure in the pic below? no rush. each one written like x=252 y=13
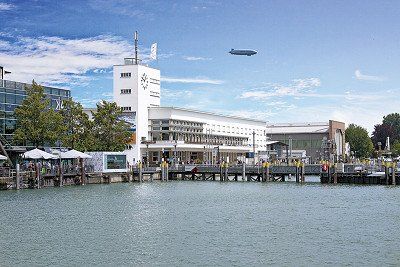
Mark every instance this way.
x=11 y=96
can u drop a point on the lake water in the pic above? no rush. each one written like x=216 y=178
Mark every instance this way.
x=201 y=223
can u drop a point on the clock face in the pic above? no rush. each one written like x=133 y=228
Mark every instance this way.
x=144 y=81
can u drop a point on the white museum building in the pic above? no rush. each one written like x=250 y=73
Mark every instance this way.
x=178 y=134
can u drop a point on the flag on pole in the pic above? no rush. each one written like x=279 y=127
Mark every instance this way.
x=153 y=54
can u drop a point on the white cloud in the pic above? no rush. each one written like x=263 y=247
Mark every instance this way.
x=298 y=87
x=6 y=6
x=57 y=60
x=196 y=80
x=363 y=77
x=191 y=58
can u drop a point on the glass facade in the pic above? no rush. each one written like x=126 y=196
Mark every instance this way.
x=11 y=96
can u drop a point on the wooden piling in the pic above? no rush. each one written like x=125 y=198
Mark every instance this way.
x=17 y=177
x=244 y=171
x=226 y=172
x=140 y=166
x=394 y=173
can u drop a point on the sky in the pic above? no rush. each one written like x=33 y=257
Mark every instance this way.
x=317 y=60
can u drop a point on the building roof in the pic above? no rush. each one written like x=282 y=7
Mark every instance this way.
x=308 y=127
x=209 y=113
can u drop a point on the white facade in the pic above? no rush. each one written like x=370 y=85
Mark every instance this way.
x=136 y=88
x=216 y=124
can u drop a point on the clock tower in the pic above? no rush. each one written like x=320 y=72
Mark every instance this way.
x=136 y=89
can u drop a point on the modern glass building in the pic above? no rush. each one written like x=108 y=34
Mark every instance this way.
x=11 y=96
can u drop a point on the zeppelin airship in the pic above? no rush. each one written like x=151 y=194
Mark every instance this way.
x=242 y=52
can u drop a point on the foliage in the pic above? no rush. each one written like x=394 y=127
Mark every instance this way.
x=78 y=127
x=380 y=133
x=396 y=148
x=37 y=122
x=359 y=141
x=393 y=120
x=110 y=131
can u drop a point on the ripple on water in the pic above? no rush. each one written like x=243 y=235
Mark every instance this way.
x=201 y=223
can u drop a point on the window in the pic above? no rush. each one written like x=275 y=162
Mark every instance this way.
x=115 y=162
x=126 y=108
x=126 y=91
x=126 y=75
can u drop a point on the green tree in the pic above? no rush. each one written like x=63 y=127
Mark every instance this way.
x=393 y=120
x=78 y=127
x=396 y=148
x=110 y=131
x=359 y=141
x=37 y=123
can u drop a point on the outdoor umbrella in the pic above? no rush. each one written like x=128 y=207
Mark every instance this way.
x=3 y=157
x=38 y=154
x=74 y=154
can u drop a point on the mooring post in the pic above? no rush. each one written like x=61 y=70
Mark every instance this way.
x=83 y=176
x=335 y=175
x=302 y=172
x=394 y=173
x=140 y=172
x=17 y=176
x=37 y=173
x=263 y=172
x=221 y=173
x=387 y=173
x=226 y=171
x=167 y=171
x=244 y=171
x=297 y=172
x=267 y=171
x=162 y=171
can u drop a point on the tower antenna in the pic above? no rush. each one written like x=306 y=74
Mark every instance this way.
x=136 y=47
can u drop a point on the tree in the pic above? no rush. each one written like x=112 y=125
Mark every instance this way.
x=78 y=127
x=396 y=148
x=359 y=141
x=110 y=131
x=393 y=120
x=380 y=133
x=37 y=123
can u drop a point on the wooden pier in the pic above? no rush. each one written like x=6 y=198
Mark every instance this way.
x=328 y=173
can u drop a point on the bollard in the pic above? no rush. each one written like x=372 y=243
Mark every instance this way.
x=267 y=171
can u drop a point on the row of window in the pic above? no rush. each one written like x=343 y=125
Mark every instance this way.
x=126 y=91
x=126 y=75
x=126 y=108
x=5 y=87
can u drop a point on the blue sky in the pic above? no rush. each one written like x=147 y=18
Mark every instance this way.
x=317 y=60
